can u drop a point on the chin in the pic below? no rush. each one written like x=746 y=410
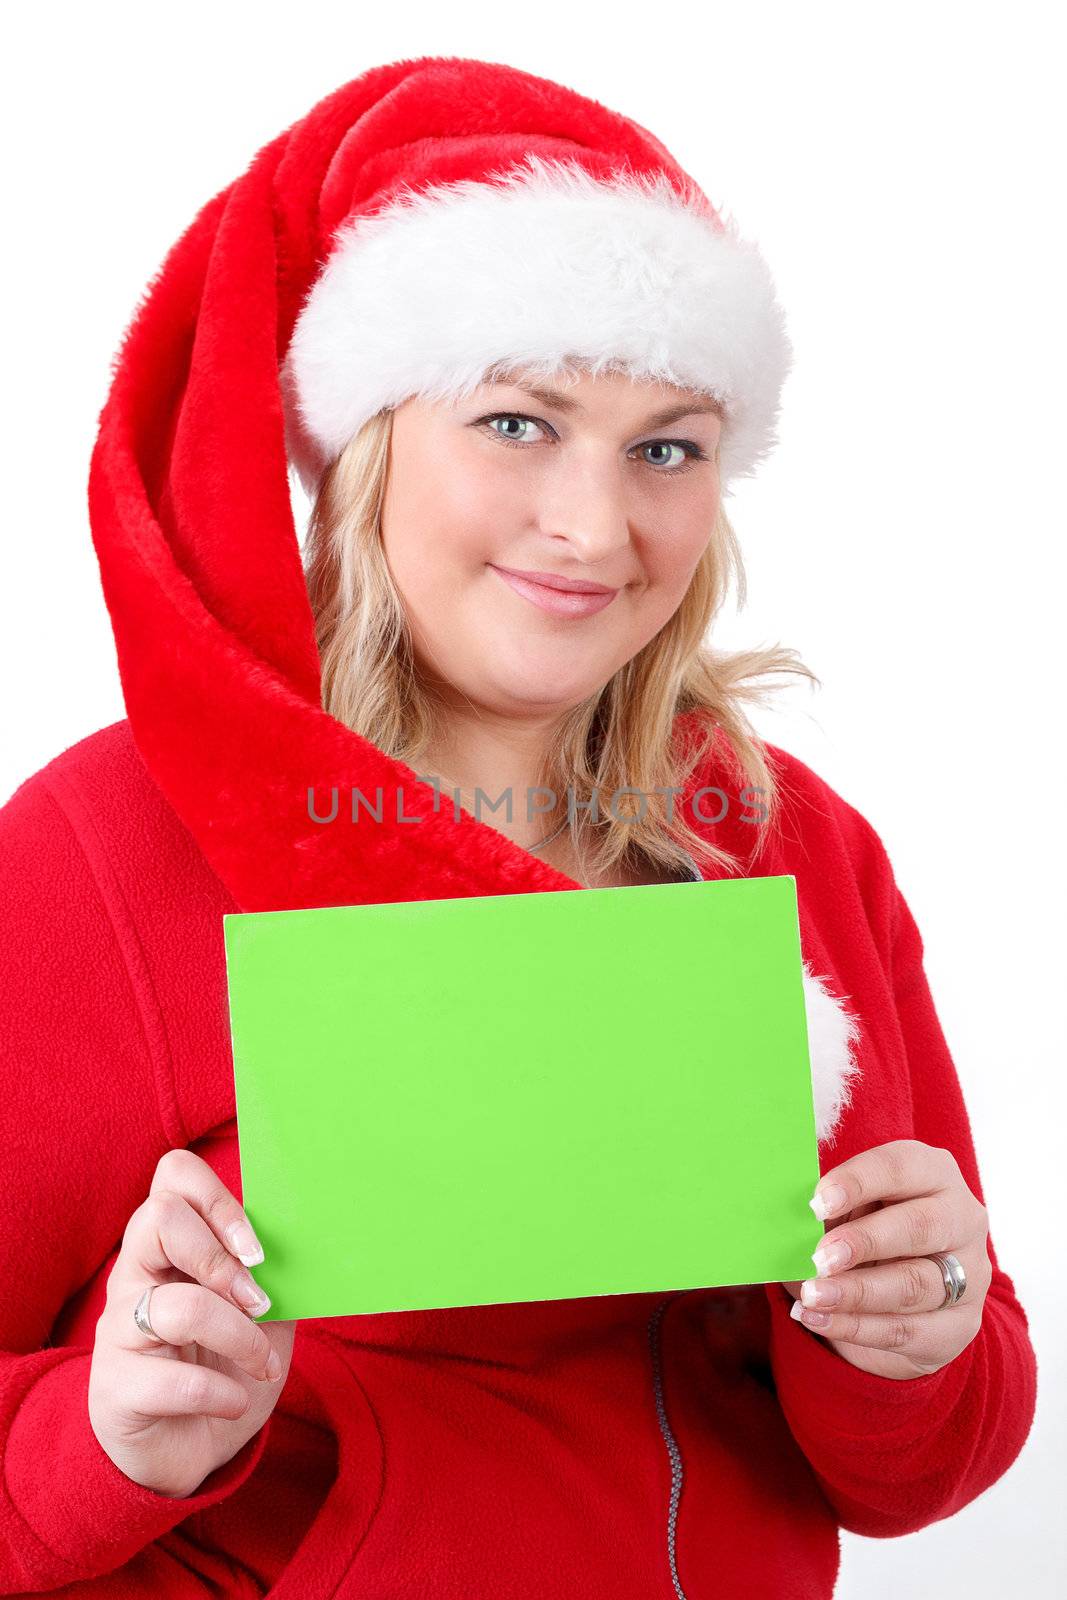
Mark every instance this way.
x=533 y=691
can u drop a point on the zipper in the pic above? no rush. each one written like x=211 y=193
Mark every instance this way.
x=655 y=1341
x=677 y=1470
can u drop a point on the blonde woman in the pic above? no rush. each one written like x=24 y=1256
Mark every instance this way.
x=517 y=359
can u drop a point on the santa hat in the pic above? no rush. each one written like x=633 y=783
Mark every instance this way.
x=460 y=253
x=427 y=218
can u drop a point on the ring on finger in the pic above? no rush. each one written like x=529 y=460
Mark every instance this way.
x=815 y=1294
x=142 y=1319
x=954 y=1276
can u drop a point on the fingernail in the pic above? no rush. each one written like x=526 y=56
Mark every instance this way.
x=827 y=1199
x=831 y=1256
x=817 y=1292
x=250 y=1295
x=244 y=1244
x=274 y=1366
x=810 y=1319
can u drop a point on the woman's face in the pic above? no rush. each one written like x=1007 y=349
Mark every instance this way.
x=589 y=483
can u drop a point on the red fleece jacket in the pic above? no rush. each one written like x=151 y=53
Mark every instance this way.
x=510 y=1450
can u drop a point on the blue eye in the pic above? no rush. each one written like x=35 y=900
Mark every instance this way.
x=511 y=416
x=664 y=444
x=690 y=452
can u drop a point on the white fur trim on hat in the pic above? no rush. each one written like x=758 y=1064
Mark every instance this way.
x=832 y=1031
x=544 y=266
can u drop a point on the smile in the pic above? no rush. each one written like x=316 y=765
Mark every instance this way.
x=559 y=602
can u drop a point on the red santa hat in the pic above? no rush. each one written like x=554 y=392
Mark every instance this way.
x=462 y=250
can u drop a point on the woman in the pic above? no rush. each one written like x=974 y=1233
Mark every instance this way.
x=510 y=349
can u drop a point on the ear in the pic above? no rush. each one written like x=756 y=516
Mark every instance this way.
x=832 y=1034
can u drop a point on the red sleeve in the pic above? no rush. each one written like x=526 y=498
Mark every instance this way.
x=893 y=1456
x=77 y=1094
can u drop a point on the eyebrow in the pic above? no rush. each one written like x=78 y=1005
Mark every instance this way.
x=662 y=419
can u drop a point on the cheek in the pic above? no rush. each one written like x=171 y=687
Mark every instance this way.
x=443 y=524
x=438 y=534
x=671 y=558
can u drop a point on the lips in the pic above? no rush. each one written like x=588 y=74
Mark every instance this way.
x=555 y=580
x=561 y=597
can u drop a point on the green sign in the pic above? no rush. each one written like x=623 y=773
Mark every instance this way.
x=524 y=1097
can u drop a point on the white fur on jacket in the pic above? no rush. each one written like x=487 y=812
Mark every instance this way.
x=832 y=1034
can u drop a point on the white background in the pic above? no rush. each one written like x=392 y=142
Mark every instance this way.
x=900 y=167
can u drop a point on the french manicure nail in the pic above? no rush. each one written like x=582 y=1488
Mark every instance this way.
x=819 y=1292
x=827 y=1199
x=829 y=1257
x=274 y=1366
x=250 y=1295
x=244 y=1244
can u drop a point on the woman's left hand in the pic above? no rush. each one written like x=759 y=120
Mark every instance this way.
x=881 y=1299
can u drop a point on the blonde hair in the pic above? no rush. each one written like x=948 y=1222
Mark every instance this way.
x=620 y=739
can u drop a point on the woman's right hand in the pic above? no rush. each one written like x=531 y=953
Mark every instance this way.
x=168 y=1414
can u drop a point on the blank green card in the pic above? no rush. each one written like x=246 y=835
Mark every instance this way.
x=524 y=1097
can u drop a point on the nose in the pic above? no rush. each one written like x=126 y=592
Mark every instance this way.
x=586 y=506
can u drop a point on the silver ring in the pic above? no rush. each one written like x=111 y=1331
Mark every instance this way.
x=140 y=1316
x=954 y=1276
